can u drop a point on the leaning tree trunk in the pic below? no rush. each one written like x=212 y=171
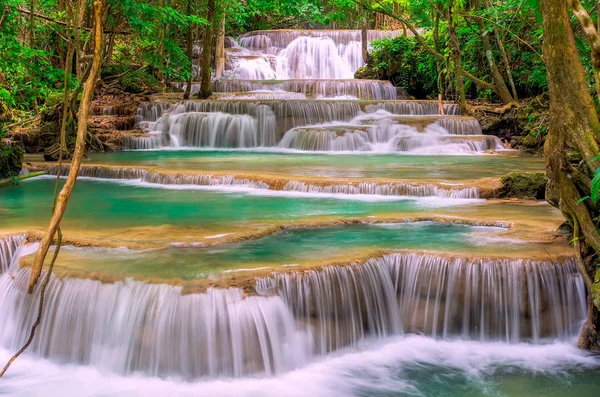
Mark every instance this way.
x=82 y=116
x=589 y=29
x=207 y=49
x=571 y=149
x=501 y=88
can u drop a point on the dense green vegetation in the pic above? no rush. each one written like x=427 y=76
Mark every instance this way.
x=146 y=43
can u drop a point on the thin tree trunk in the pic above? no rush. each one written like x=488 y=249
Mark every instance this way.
x=501 y=88
x=574 y=127
x=82 y=119
x=207 y=47
x=4 y=16
x=364 y=34
x=81 y=11
x=506 y=61
x=455 y=54
x=220 y=46
x=436 y=43
x=190 y=53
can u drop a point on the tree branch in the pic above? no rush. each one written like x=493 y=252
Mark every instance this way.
x=59 y=22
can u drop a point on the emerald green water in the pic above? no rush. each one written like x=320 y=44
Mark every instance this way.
x=286 y=248
x=111 y=204
x=449 y=168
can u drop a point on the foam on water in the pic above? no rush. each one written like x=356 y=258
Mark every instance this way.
x=413 y=365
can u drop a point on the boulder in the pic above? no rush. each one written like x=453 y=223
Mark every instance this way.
x=524 y=185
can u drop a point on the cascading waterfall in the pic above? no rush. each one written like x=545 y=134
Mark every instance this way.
x=160 y=179
x=331 y=138
x=391 y=189
x=486 y=300
x=130 y=326
x=362 y=188
x=379 y=133
x=293 y=84
x=212 y=130
x=421 y=108
x=9 y=246
x=311 y=88
x=239 y=124
x=317 y=58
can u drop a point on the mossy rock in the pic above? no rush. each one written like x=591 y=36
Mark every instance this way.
x=11 y=160
x=595 y=292
x=524 y=185
x=366 y=73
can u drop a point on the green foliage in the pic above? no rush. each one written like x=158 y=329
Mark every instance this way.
x=11 y=158
x=27 y=75
x=405 y=63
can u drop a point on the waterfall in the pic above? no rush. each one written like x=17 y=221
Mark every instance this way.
x=316 y=58
x=130 y=326
x=391 y=189
x=362 y=188
x=311 y=88
x=158 y=178
x=382 y=136
x=486 y=300
x=330 y=138
x=414 y=108
x=9 y=246
x=274 y=40
x=272 y=118
x=212 y=130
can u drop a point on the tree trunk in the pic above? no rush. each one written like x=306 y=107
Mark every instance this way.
x=207 y=47
x=590 y=32
x=506 y=64
x=436 y=43
x=220 y=46
x=501 y=88
x=190 y=53
x=574 y=129
x=364 y=35
x=82 y=116
x=455 y=54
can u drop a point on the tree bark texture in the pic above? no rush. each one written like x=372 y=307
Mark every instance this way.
x=573 y=133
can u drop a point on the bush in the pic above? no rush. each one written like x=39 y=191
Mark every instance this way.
x=406 y=64
x=11 y=160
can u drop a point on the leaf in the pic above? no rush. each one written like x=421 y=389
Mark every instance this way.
x=581 y=200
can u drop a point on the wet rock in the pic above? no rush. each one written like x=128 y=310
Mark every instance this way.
x=524 y=185
x=367 y=73
x=565 y=230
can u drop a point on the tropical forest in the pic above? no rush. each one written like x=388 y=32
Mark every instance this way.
x=291 y=198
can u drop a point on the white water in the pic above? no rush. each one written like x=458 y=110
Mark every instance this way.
x=129 y=327
x=10 y=247
x=484 y=300
x=262 y=104
x=381 y=368
x=312 y=127
x=361 y=191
